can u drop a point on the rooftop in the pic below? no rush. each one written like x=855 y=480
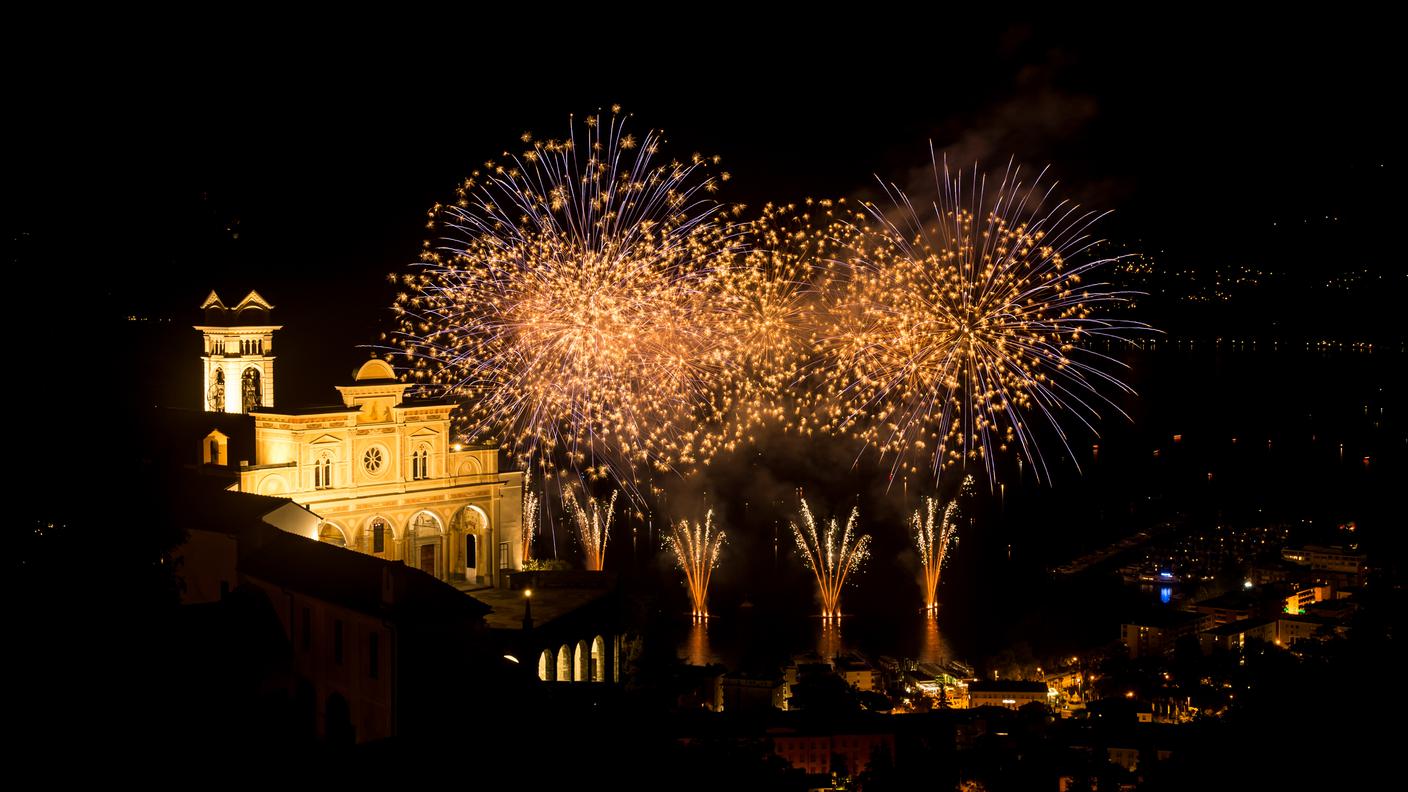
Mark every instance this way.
x=1007 y=686
x=548 y=604
x=311 y=409
x=1165 y=618
x=359 y=582
x=1238 y=627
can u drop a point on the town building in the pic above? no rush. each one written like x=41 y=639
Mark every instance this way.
x=858 y=673
x=1009 y=693
x=816 y=751
x=1229 y=607
x=1157 y=631
x=745 y=692
x=1344 y=566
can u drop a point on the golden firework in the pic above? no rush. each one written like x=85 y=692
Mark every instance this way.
x=953 y=330
x=564 y=301
x=593 y=527
x=696 y=549
x=935 y=534
x=831 y=556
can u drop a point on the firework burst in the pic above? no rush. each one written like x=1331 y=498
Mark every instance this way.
x=831 y=556
x=563 y=300
x=766 y=297
x=593 y=527
x=955 y=329
x=935 y=533
x=696 y=548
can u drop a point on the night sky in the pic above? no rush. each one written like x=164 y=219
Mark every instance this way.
x=147 y=167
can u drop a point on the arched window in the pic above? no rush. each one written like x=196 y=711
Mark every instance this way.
x=420 y=463
x=216 y=393
x=379 y=536
x=322 y=471
x=253 y=393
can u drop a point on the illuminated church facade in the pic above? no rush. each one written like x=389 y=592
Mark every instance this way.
x=382 y=472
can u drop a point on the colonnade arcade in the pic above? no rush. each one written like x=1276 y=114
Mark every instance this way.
x=419 y=538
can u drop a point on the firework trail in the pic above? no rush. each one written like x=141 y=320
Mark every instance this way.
x=593 y=527
x=831 y=556
x=529 y=517
x=935 y=538
x=696 y=548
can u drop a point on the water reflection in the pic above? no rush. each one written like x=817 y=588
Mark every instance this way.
x=742 y=641
x=932 y=648
x=697 y=650
x=829 y=644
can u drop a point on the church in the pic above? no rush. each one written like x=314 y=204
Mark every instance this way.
x=383 y=473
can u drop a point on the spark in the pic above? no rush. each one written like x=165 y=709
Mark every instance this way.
x=955 y=330
x=831 y=556
x=564 y=303
x=935 y=538
x=529 y=517
x=696 y=548
x=593 y=527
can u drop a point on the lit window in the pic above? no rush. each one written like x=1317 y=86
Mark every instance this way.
x=322 y=472
x=420 y=464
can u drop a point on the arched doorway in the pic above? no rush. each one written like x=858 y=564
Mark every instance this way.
x=564 y=664
x=598 y=668
x=331 y=534
x=338 y=724
x=470 y=529
x=579 y=665
x=425 y=539
x=380 y=537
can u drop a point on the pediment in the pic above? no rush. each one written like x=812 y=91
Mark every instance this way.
x=254 y=298
x=424 y=432
x=327 y=439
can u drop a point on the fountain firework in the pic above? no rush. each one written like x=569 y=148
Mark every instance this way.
x=696 y=548
x=831 y=556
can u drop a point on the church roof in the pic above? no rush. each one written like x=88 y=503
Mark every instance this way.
x=375 y=370
x=252 y=311
x=254 y=299
x=172 y=436
x=310 y=409
x=437 y=402
x=354 y=581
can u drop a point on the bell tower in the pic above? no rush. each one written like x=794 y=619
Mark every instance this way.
x=238 y=359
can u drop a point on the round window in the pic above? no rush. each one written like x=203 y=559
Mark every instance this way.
x=373 y=460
